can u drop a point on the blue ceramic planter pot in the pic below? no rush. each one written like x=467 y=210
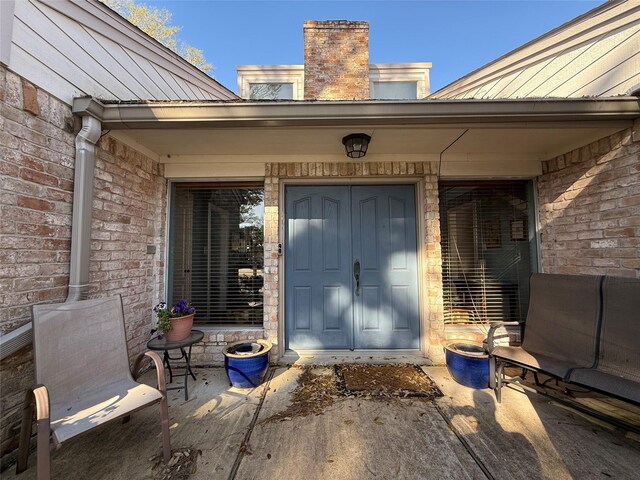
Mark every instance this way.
x=247 y=362
x=468 y=364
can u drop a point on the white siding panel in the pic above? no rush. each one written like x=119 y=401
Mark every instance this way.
x=52 y=59
x=207 y=95
x=473 y=92
x=504 y=83
x=134 y=68
x=632 y=82
x=166 y=62
x=495 y=86
x=163 y=90
x=586 y=31
x=189 y=88
x=99 y=18
x=604 y=79
x=523 y=78
x=95 y=44
x=173 y=83
x=559 y=70
x=77 y=47
x=32 y=68
x=603 y=65
x=483 y=91
x=605 y=57
x=66 y=36
x=501 y=84
x=565 y=55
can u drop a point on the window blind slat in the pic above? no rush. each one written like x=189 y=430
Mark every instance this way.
x=217 y=253
x=486 y=251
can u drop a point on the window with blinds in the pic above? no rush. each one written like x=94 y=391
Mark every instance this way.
x=488 y=250
x=216 y=251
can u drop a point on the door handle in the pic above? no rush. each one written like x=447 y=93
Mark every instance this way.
x=356 y=275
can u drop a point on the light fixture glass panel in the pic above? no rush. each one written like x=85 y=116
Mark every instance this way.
x=356 y=144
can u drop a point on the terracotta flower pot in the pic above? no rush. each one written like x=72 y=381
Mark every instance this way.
x=180 y=328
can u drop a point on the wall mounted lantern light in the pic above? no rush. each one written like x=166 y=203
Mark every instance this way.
x=356 y=144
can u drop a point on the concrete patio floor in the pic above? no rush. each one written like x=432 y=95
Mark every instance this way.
x=464 y=434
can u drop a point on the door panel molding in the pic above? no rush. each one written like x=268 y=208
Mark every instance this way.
x=325 y=230
x=392 y=232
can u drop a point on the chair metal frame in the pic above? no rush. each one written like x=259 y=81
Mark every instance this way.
x=37 y=399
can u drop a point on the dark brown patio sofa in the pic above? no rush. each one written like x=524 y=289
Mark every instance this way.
x=583 y=329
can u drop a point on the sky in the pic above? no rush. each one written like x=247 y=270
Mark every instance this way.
x=455 y=36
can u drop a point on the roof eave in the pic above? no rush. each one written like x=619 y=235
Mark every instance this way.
x=301 y=114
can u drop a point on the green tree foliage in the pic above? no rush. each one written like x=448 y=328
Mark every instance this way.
x=155 y=22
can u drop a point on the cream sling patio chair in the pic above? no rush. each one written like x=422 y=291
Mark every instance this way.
x=82 y=377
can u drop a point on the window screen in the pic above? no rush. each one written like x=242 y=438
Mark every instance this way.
x=488 y=251
x=216 y=252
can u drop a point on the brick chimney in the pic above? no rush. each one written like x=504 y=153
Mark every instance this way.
x=336 y=60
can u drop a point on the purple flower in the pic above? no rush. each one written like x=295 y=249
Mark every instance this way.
x=180 y=308
x=160 y=306
x=164 y=315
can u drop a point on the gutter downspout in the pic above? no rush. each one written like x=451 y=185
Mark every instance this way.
x=86 y=141
x=85 y=163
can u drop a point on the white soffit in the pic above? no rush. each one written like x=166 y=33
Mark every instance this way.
x=247 y=144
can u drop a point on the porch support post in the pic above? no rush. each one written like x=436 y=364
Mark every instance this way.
x=85 y=163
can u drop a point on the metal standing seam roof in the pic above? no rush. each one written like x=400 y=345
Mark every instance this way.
x=594 y=55
x=73 y=48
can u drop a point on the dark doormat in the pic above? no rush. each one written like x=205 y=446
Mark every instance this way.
x=384 y=381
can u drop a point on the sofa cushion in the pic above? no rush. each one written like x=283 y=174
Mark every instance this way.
x=606 y=382
x=620 y=332
x=562 y=321
x=552 y=365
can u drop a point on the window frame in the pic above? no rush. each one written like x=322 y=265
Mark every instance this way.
x=402 y=72
x=250 y=74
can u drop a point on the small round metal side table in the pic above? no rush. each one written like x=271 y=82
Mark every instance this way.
x=164 y=346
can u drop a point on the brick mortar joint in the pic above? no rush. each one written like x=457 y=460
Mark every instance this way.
x=567 y=159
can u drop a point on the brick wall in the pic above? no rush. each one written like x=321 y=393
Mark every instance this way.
x=589 y=208
x=430 y=245
x=36 y=185
x=336 y=60
x=37 y=157
x=129 y=208
x=36 y=163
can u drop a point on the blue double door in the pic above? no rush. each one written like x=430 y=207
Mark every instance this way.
x=351 y=270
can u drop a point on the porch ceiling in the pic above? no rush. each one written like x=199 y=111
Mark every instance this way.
x=521 y=141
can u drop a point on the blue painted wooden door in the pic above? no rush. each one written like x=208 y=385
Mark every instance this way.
x=334 y=233
x=384 y=243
